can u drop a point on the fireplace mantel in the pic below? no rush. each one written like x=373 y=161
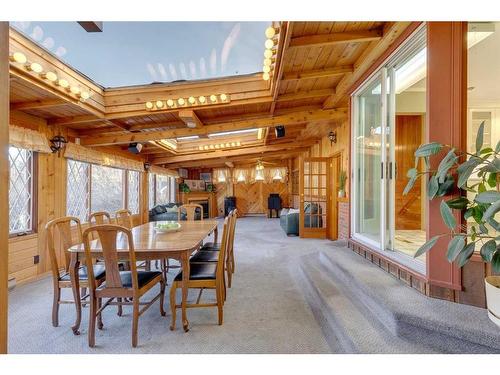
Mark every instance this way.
x=196 y=196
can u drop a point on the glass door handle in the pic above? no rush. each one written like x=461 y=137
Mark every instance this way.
x=381 y=170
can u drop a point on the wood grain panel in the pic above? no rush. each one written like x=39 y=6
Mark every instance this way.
x=252 y=198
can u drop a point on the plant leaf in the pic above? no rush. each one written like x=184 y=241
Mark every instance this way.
x=428 y=149
x=487 y=250
x=488 y=197
x=465 y=170
x=412 y=172
x=458 y=203
x=446 y=187
x=447 y=215
x=466 y=253
x=492 y=180
x=497 y=148
x=427 y=246
x=491 y=210
x=495 y=224
x=445 y=165
x=409 y=185
x=495 y=261
x=432 y=187
x=456 y=245
x=479 y=137
x=486 y=150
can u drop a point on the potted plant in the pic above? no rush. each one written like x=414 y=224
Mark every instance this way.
x=183 y=187
x=483 y=203
x=342 y=181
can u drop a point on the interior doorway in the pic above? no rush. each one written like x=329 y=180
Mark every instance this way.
x=335 y=167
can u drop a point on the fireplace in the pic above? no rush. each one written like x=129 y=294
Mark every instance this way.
x=205 y=205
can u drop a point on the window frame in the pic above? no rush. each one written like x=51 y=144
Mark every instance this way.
x=34 y=196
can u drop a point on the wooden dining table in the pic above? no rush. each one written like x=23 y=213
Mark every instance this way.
x=149 y=245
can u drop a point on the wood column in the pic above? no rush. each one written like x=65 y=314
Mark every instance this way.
x=446 y=116
x=4 y=182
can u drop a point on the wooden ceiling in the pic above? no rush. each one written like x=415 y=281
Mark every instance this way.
x=316 y=64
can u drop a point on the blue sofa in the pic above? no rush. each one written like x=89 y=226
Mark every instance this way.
x=289 y=222
x=159 y=213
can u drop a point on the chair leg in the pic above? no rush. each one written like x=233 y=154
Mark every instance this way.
x=220 y=302
x=173 y=290
x=92 y=319
x=83 y=292
x=229 y=274
x=100 y=325
x=164 y=265
x=120 y=308
x=55 y=306
x=162 y=298
x=135 y=322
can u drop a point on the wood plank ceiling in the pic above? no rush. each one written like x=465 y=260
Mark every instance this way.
x=315 y=66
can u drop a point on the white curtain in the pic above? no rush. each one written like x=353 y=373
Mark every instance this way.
x=163 y=171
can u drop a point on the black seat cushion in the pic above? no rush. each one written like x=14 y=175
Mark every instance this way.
x=143 y=277
x=205 y=256
x=99 y=273
x=201 y=271
x=210 y=246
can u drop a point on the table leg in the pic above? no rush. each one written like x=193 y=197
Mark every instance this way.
x=185 y=281
x=75 y=286
x=216 y=232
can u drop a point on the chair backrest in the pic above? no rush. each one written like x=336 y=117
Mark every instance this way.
x=124 y=218
x=107 y=235
x=69 y=236
x=223 y=247
x=190 y=209
x=234 y=217
x=99 y=218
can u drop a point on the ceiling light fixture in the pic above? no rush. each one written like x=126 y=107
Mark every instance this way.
x=269 y=43
x=51 y=76
x=202 y=99
x=63 y=83
x=84 y=95
x=186 y=102
x=35 y=67
x=213 y=98
x=270 y=32
x=159 y=104
x=19 y=57
x=268 y=53
x=181 y=101
x=149 y=105
x=75 y=90
x=266 y=76
x=191 y=100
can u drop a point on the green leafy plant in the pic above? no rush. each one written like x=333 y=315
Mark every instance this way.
x=184 y=187
x=483 y=233
x=342 y=180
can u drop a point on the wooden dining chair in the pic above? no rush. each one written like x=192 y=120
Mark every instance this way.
x=69 y=230
x=124 y=219
x=190 y=210
x=209 y=251
x=99 y=218
x=127 y=287
x=203 y=276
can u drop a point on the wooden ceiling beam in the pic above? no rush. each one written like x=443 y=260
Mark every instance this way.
x=285 y=120
x=234 y=152
x=285 y=42
x=317 y=73
x=37 y=104
x=190 y=118
x=73 y=120
x=299 y=95
x=391 y=32
x=321 y=40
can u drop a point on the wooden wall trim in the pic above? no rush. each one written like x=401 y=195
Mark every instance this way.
x=4 y=182
x=446 y=123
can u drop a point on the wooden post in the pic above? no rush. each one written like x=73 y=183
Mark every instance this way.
x=4 y=182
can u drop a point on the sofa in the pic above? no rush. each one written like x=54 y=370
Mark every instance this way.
x=168 y=212
x=289 y=221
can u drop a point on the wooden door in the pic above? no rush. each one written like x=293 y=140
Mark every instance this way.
x=314 y=192
x=408 y=137
x=335 y=163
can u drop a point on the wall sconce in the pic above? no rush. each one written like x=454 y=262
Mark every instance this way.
x=147 y=166
x=58 y=143
x=332 y=136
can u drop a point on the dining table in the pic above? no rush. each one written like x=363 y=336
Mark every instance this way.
x=149 y=244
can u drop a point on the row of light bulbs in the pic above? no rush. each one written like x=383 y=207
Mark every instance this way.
x=191 y=101
x=268 y=53
x=35 y=67
x=219 y=146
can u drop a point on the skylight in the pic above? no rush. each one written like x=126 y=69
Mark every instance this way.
x=234 y=132
x=133 y=53
x=188 y=138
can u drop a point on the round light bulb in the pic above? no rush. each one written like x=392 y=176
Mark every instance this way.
x=202 y=99
x=191 y=100
x=213 y=98
x=170 y=102
x=35 y=67
x=206 y=147
x=238 y=143
x=270 y=32
x=75 y=90
x=211 y=147
x=266 y=69
x=268 y=53
x=63 y=83
x=217 y=146
x=200 y=148
x=159 y=104
x=149 y=105
x=269 y=43
x=233 y=144
x=85 y=95
x=181 y=101
x=268 y=62
x=223 y=97
x=222 y=145
x=266 y=76
x=19 y=57
x=228 y=145
x=51 y=76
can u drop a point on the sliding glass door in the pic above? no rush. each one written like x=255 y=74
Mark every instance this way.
x=388 y=125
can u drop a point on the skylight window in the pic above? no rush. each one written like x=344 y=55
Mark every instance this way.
x=234 y=132
x=137 y=53
x=188 y=138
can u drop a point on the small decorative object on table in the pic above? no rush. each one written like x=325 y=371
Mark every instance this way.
x=342 y=180
x=167 y=226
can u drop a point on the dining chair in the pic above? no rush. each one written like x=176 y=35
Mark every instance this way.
x=99 y=218
x=69 y=230
x=190 y=209
x=203 y=276
x=124 y=219
x=126 y=286
x=210 y=253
